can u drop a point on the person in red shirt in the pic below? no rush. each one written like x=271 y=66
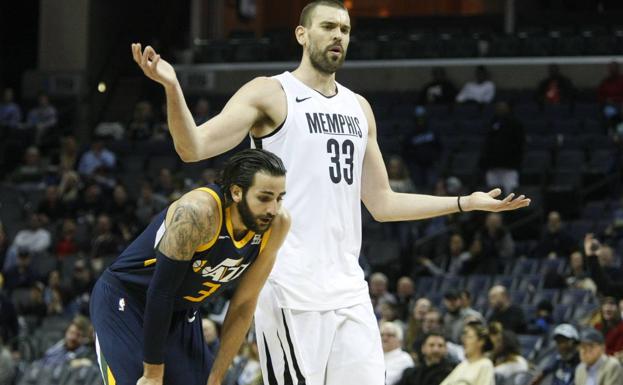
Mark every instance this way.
x=611 y=87
x=611 y=326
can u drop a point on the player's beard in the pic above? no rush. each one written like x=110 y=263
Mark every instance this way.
x=321 y=60
x=250 y=220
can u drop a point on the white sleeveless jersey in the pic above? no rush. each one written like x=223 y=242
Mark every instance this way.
x=322 y=143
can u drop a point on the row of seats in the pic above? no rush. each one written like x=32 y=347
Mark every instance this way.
x=38 y=374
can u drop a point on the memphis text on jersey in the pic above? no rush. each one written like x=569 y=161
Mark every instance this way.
x=323 y=123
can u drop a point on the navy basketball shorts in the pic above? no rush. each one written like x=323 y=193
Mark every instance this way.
x=118 y=323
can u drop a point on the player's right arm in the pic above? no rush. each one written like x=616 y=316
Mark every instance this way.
x=247 y=108
x=191 y=221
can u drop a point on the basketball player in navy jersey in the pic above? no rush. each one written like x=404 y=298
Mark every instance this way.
x=314 y=320
x=144 y=306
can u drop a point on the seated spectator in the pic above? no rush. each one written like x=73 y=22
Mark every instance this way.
x=398 y=175
x=10 y=112
x=165 y=184
x=476 y=368
x=122 y=211
x=414 y=324
x=611 y=326
x=245 y=368
x=610 y=89
x=606 y=286
x=578 y=277
x=91 y=203
x=458 y=256
x=421 y=151
x=608 y=263
x=506 y=354
x=67 y=349
x=210 y=335
x=503 y=149
x=51 y=209
x=148 y=204
x=9 y=326
x=555 y=241
x=496 y=247
x=68 y=156
x=104 y=243
x=42 y=118
x=543 y=320
x=596 y=367
x=562 y=369
x=509 y=315
x=55 y=294
x=434 y=364
x=34 y=239
x=201 y=111
x=141 y=126
x=23 y=274
x=396 y=359
x=555 y=88
x=31 y=172
x=69 y=189
x=389 y=314
x=98 y=157
x=456 y=314
x=405 y=289
x=481 y=90
x=440 y=90
x=67 y=242
x=379 y=292
x=34 y=307
x=7 y=365
x=82 y=280
x=433 y=323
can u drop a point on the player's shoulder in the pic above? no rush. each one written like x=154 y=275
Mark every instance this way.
x=201 y=202
x=363 y=102
x=263 y=85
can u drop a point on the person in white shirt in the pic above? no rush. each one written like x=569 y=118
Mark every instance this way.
x=482 y=90
x=396 y=359
x=476 y=369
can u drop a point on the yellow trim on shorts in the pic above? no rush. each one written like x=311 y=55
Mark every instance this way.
x=212 y=241
x=110 y=377
x=149 y=262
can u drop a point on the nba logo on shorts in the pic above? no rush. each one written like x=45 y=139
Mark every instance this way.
x=121 y=304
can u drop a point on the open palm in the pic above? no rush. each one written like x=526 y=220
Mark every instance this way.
x=487 y=201
x=153 y=66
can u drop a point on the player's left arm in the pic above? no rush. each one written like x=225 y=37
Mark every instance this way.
x=386 y=205
x=242 y=305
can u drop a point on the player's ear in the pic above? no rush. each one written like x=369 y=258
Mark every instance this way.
x=301 y=35
x=236 y=193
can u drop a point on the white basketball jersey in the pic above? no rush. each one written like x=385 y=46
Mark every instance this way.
x=322 y=143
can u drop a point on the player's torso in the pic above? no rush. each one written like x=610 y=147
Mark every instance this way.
x=215 y=265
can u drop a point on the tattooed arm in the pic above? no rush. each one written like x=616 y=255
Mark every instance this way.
x=191 y=221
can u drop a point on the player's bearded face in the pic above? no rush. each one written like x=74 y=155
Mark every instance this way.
x=326 y=58
x=255 y=222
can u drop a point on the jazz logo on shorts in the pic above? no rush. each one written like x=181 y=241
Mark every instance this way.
x=121 y=304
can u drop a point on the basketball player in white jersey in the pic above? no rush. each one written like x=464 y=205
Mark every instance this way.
x=314 y=320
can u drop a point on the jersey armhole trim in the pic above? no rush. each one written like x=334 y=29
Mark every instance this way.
x=265 y=238
x=212 y=241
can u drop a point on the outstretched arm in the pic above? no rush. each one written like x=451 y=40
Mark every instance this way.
x=243 y=111
x=242 y=306
x=605 y=285
x=387 y=205
x=191 y=221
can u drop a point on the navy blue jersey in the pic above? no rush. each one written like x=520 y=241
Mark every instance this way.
x=215 y=265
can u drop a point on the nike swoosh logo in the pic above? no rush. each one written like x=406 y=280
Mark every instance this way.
x=192 y=319
x=301 y=100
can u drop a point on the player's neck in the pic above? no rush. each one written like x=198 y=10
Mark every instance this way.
x=311 y=77
x=238 y=228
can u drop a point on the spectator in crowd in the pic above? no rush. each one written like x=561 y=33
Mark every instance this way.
x=454 y=319
x=608 y=263
x=123 y=213
x=388 y=313
x=96 y=159
x=22 y=275
x=543 y=320
x=54 y=294
x=67 y=242
x=439 y=90
x=34 y=239
x=245 y=369
x=458 y=256
x=481 y=90
x=148 y=204
x=379 y=292
x=495 y=246
x=562 y=368
x=33 y=307
x=476 y=368
x=414 y=325
x=210 y=335
x=434 y=364
x=91 y=203
x=82 y=280
x=610 y=89
x=503 y=149
x=69 y=189
x=605 y=285
x=42 y=118
x=31 y=172
x=433 y=323
x=396 y=359
x=104 y=242
x=611 y=326
x=555 y=241
x=421 y=151
x=201 y=112
x=578 y=277
x=10 y=112
x=68 y=156
x=405 y=289
x=506 y=354
x=67 y=349
x=555 y=88
x=165 y=184
x=596 y=367
x=51 y=209
x=7 y=365
x=398 y=175
x=141 y=126
x=509 y=315
x=9 y=326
